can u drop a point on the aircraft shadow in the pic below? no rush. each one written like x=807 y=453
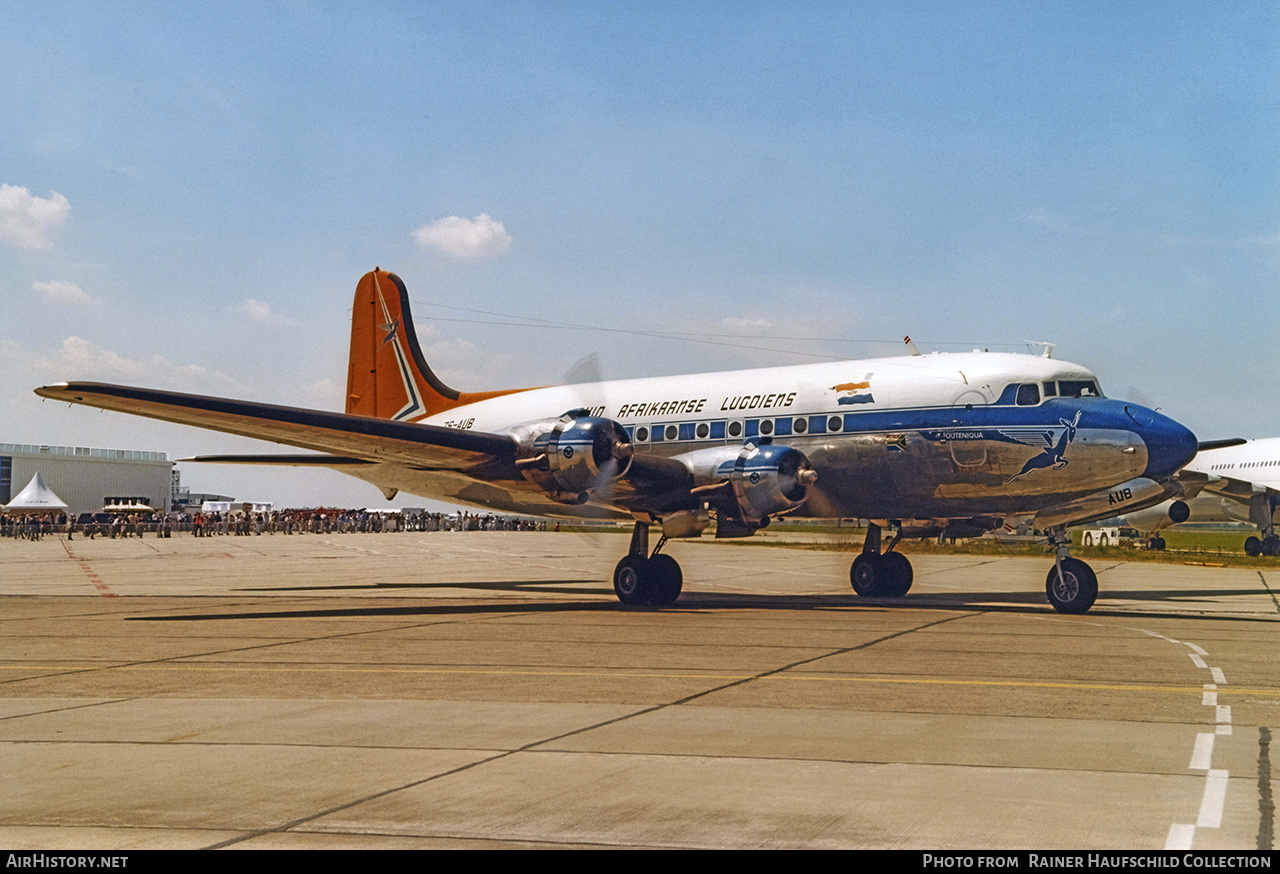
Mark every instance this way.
x=578 y=587
x=1028 y=602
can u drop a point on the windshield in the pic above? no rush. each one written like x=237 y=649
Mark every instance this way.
x=1078 y=388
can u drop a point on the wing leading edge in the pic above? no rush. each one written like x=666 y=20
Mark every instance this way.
x=357 y=445
x=356 y=439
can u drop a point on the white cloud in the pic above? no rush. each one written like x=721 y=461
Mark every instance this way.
x=737 y=325
x=463 y=365
x=65 y=292
x=323 y=394
x=479 y=237
x=25 y=220
x=262 y=312
x=80 y=359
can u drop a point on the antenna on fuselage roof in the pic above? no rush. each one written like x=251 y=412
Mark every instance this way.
x=915 y=350
x=1048 y=347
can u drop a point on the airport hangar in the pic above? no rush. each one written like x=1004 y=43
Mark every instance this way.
x=85 y=477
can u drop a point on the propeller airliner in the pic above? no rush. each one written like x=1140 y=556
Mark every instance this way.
x=921 y=445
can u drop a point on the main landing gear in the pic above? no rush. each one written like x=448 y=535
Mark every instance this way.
x=1269 y=544
x=1071 y=586
x=641 y=578
x=880 y=575
x=1262 y=510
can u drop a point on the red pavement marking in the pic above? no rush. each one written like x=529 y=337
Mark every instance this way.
x=89 y=572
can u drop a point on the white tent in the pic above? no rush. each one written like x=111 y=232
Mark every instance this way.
x=35 y=498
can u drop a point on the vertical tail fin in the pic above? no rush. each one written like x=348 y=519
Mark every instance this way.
x=387 y=376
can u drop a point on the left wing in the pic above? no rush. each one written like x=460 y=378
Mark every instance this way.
x=355 y=439
x=376 y=450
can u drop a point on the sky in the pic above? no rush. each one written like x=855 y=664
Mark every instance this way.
x=190 y=192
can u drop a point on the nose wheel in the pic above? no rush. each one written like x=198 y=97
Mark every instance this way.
x=1071 y=586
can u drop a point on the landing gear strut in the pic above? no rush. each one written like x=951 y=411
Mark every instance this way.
x=880 y=575
x=641 y=578
x=1071 y=586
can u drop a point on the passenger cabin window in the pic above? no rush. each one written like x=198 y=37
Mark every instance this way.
x=1028 y=395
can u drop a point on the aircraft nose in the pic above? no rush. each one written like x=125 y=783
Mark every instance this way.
x=1170 y=445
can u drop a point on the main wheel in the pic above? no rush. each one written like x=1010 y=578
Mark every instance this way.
x=867 y=574
x=1271 y=545
x=1075 y=590
x=666 y=579
x=898 y=574
x=1252 y=546
x=632 y=580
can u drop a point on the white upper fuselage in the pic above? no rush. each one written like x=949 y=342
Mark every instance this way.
x=900 y=383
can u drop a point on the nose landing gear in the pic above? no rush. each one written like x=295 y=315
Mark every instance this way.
x=1071 y=586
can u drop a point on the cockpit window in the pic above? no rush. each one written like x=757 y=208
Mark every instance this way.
x=1050 y=389
x=1028 y=395
x=1078 y=388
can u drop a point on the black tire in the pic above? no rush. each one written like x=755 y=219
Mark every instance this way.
x=898 y=574
x=1160 y=544
x=867 y=575
x=632 y=580
x=1252 y=546
x=666 y=579
x=1271 y=545
x=1073 y=592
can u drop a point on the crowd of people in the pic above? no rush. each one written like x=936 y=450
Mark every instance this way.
x=323 y=520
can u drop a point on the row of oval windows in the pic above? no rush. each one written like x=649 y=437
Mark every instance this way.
x=735 y=429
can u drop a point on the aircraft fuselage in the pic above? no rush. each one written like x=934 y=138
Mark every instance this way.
x=947 y=435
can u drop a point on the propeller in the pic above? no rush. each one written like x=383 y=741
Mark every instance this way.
x=612 y=448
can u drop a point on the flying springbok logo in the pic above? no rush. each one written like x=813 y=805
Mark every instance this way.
x=1054 y=452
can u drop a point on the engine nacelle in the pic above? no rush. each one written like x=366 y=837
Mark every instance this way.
x=574 y=455
x=1136 y=494
x=763 y=480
